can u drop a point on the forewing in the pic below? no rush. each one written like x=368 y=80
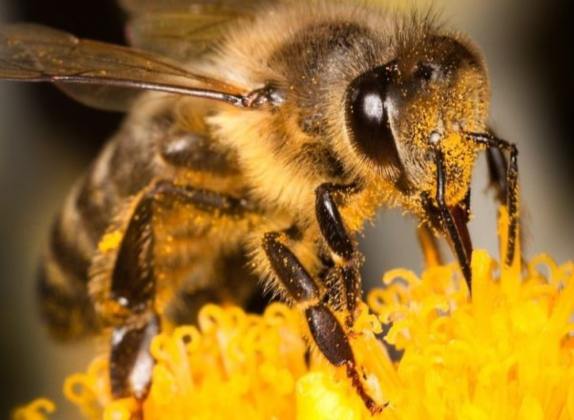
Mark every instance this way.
x=41 y=54
x=181 y=36
x=151 y=6
x=183 y=29
x=136 y=7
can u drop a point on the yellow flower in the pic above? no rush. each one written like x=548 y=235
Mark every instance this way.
x=505 y=353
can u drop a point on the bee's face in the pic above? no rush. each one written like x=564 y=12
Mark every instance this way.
x=398 y=115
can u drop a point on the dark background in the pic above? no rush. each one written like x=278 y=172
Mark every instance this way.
x=46 y=140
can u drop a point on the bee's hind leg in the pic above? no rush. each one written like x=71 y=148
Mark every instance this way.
x=131 y=363
x=130 y=303
x=133 y=289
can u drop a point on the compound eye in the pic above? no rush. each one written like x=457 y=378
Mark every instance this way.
x=368 y=119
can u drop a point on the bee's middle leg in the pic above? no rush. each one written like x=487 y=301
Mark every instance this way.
x=340 y=243
x=327 y=333
x=311 y=296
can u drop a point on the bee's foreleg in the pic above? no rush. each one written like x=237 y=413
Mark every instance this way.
x=326 y=331
x=454 y=223
x=497 y=169
x=504 y=177
x=449 y=220
x=340 y=243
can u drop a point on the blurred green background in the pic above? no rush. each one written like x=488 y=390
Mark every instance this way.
x=46 y=141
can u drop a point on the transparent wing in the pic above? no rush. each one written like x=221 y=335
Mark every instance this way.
x=183 y=29
x=182 y=36
x=151 y=6
x=136 y=7
x=40 y=54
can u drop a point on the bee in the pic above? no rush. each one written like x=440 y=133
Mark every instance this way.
x=260 y=137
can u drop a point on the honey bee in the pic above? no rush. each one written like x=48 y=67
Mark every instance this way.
x=260 y=137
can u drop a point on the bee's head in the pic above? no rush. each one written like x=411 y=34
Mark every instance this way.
x=399 y=115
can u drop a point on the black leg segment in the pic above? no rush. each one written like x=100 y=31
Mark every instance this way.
x=497 y=172
x=337 y=238
x=327 y=333
x=133 y=283
x=510 y=185
x=352 y=283
x=330 y=221
x=133 y=279
x=131 y=363
x=293 y=276
x=133 y=287
x=168 y=193
x=454 y=223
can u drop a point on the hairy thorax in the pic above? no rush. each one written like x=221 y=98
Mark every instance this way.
x=287 y=152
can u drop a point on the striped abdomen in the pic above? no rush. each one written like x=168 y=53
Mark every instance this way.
x=145 y=150
x=62 y=284
x=122 y=169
